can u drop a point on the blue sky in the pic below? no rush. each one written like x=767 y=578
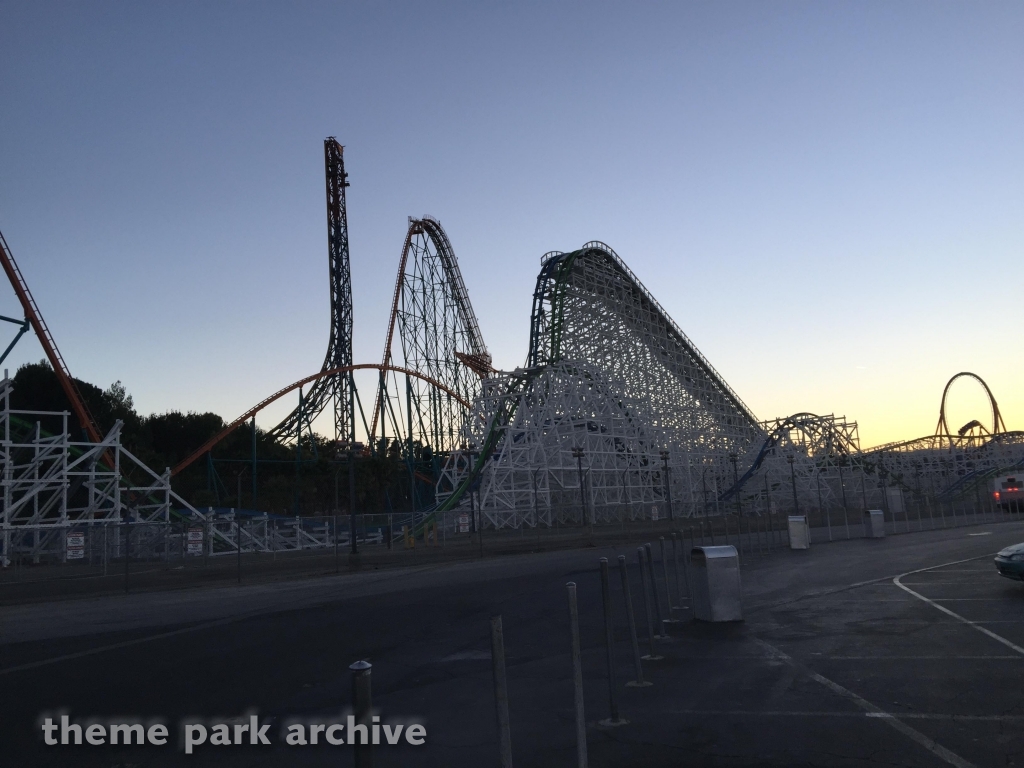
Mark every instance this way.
x=826 y=196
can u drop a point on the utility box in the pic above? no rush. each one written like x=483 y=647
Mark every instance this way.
x=799 y=532
x=874 y=524
x=716 y=584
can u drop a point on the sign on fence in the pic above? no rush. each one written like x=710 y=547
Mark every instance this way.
x=654 y=512
x=463 y=523
x=195 y=540
x=75 y=545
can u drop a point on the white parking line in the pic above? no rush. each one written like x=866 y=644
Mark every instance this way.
x=818 y=713
x=977 y=625
x=870 y=709
x=920 y=658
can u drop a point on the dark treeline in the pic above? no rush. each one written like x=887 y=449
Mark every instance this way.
x=289 y=479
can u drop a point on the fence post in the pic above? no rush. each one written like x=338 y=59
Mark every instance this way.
x=577 y=677
x=500 y=692
x=659 y=622
x=645 y=588
x=609 y=642
x=627 y=593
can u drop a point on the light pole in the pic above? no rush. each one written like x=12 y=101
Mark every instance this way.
x=352 y=448
x=842 y=487
x=736 y=485
x=472 y=499
x=577 y=454
x=239 y=501
x=536 y=510
x=704 y=489
x=792 y=477
x=625 y=493
x=882 y=472
x=668 y=485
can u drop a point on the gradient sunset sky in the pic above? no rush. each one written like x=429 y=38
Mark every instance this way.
x=827 y=197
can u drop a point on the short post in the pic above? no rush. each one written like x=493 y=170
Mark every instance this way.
x=500 y=692
x=361 y=706
x=577 y=677
x=627 y=593
x=641 y=556
x=335 y=526
x=238 y=547
x=609 y=642
x=659 y=622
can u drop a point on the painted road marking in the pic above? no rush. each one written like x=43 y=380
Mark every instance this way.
x=892 y=720
x=878 y=715
x=957 y=616
x=468 y=656
x=920 y=658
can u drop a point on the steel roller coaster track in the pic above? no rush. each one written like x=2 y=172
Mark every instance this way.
x=438 y=336
x=348 y=369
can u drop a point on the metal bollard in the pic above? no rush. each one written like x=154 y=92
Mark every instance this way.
x=361 y=706
x=577 y=677
x=500 y=692
x=609 y=642
x=668 y=590
x=659 y=622
x=627 y=593
x=641 y=556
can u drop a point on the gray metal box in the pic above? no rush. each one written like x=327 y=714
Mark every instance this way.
x=717 y=595
x=799 y=532
x=874 y=524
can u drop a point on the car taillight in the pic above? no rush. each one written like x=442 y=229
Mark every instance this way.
x=997 y=495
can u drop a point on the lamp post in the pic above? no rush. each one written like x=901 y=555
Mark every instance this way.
x=625 y=493
x=352 y=448
x=337 y=505
x=577 y=454
x=536 y=503
x=842 y=487
x=882 y=472
x=736 y=485
x=792 y=477
x=704 y=489
x=666 y=478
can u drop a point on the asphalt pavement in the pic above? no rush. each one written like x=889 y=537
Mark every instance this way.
x=902 y=651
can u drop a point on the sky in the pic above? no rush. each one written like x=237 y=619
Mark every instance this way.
x=827 y=197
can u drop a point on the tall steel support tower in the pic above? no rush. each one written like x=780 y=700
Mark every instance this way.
x=337 y=390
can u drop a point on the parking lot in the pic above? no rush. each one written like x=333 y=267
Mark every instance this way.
x=836 y=664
